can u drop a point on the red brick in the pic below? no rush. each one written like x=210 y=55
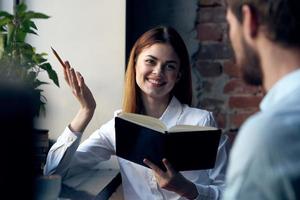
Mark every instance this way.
x=212 y=14
x=238 y=86
x=232 y=133
x=225 y=34
x=221 y=120
x=231 y=69
x=216 y=50
x=210 y=32
x=209 y=69
x=237 y=119
x=244 y=101
x=211 y=103
x=206 y=86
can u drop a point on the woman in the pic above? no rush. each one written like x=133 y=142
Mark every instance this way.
x=157 y=84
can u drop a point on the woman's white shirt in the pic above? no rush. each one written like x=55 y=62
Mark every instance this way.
x=68 y=157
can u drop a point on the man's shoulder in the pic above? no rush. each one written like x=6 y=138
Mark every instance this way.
x=273 y=121
x=270 y=129
x=267 y=148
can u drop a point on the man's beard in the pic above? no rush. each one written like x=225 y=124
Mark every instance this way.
x=250 y=65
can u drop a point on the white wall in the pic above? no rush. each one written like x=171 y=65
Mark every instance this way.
x=6 y=5
x=91 y=35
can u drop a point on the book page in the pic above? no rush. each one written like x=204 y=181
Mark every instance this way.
x=144 y=120
x=185 y=128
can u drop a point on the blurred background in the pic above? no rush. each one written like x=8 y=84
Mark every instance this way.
x=97 y=35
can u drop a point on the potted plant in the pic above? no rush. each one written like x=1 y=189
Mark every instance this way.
x=19 y=62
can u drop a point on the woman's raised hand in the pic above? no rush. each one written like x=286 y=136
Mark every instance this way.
x=84 y=97
x=79 y=88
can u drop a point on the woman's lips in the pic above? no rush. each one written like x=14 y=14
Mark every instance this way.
x=156 y=82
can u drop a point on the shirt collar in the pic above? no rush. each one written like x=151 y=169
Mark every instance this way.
x=172 y=112
x=281 y=89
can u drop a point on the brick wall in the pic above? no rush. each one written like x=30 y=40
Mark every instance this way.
x=219 y=87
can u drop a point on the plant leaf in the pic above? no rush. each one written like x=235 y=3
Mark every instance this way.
x=38 y=83
x=21 y=8
x=4 y=21
x=51 y=73
x=31 y=76
x=1 y=44
x=6 y=14
x=20 y=36
x=10 y=33
x=36 y=15
x=38 y=58
x=32 y=32
x=27 y=51
x=32 y=25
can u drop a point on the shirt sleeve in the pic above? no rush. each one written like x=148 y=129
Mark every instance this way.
x=68 y=157
x=215 y=189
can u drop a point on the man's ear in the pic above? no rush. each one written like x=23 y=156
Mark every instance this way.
x=250 y=23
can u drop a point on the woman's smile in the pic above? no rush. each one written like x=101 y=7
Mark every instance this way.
x=156 y=82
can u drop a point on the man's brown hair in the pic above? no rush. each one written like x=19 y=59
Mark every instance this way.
x=280 y=18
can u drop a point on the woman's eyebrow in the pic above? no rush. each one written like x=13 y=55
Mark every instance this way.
x=168 y=61
x=171 y=61
x=153 y=57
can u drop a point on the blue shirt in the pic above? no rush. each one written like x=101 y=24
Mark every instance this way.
x=265 y=159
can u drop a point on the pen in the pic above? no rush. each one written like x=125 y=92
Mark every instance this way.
x=59 y=59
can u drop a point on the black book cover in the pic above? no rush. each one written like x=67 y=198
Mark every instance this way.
x=185 y=150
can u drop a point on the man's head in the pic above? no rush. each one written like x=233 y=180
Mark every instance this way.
x=276 y=20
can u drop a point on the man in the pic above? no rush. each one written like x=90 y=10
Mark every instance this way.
x=265 y=159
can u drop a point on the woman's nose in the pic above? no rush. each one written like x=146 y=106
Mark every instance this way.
x=158 y=69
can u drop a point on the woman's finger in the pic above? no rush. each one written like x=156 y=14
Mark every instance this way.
x=154 y=167
x=70 y=74
x=76 y=88
x=67 y=73
x=168 y=166
x=80 y=79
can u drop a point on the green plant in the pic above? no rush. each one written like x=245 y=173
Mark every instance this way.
x=19 y=61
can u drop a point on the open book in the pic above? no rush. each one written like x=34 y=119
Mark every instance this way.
x=186 y=147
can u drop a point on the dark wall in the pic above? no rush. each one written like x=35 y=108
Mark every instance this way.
x=144 y=15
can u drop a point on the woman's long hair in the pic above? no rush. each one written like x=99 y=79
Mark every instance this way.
x=182 y=89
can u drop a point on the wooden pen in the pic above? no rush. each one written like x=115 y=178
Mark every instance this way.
x=58 y=57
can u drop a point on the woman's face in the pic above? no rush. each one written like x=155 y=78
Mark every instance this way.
x=157 y=70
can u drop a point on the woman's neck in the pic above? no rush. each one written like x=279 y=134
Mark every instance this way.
x=155 y=107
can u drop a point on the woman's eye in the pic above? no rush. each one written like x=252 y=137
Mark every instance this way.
x=150 y=61
x=170 y=67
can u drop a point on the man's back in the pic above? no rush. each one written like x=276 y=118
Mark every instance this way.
x=265 y=160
